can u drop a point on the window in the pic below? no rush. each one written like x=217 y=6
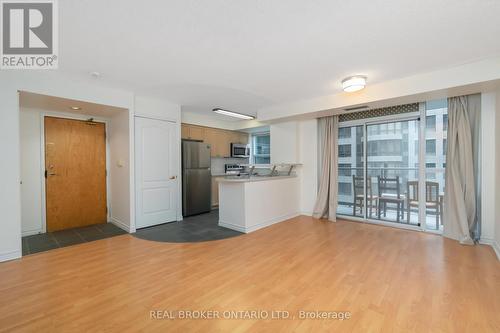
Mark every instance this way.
x=261 y=148
x=430 y=174
x=345 y=169
x=384 y=148
x=430 y=147
x=344 y=132
x=345 y=188
x=430 y=122
x=344 y=150
x=393 y=151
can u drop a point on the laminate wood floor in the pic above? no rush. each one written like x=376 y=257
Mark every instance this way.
x=389 y=280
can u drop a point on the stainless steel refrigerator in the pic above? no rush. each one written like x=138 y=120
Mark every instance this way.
x=196 y=178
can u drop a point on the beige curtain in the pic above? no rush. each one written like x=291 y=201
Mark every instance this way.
x=326 y=201
x=459 y=213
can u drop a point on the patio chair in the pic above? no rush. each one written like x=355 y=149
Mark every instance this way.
x=389 y=193
x=432 y=198
x=359 y=197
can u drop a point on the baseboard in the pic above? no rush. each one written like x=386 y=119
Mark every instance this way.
x=31 y=232
x=493 y=244
x=306 y=213
x=6 y=256
x=496 y=248
x=120 y=224
x=256 y=227
x=232 y=226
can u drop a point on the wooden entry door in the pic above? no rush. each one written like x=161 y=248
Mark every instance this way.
x=75 y=171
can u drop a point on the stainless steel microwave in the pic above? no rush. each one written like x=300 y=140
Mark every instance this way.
x=240 y=150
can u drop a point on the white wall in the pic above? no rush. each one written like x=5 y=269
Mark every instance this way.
x=119 y=170
x=496 y=244
x=488 y=129
x=31 y=186
x=157 y=108
x=284 y=142
x=10 y=194
x=308 y=157
x=296 y=142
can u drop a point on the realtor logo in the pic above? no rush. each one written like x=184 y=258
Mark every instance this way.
x=29 y=34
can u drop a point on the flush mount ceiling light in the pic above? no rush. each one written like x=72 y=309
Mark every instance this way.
x=353 y=83
x=75 y=108
x=233 y=114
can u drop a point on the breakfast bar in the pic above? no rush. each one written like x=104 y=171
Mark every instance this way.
x=252 y=202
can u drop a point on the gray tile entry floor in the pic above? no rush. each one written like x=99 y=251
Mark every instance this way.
x=198 y=228
x=56 y=239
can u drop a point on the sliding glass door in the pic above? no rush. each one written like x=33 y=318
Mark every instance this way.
x=436 y=130
x=351 y=171
x=391 y=169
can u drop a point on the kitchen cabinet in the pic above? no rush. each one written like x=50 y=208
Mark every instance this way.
x=192 y=132
x=215 y=191
x=243 y=137
x=184 y=131
x=219 y=139
x=222 y=143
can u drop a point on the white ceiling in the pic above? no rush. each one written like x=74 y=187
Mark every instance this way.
x=245 y=55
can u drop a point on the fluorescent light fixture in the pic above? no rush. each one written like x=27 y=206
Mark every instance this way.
x=353 y=83
x=75 y=108
x=233 y=114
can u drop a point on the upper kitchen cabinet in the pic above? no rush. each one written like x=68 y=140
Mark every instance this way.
x=192 y=132
x=219 y=139
x=222 y=143
x=243 y=137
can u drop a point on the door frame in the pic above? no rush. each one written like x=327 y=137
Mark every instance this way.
x=42 y=158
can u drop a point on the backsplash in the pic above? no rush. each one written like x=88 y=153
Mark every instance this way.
x=219 y=162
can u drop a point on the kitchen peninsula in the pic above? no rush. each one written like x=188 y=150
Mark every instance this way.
x=249 y=203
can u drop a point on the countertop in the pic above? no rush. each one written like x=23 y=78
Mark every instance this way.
x=245 y=179
x=218 y=174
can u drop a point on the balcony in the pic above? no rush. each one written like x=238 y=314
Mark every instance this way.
x=392 y=195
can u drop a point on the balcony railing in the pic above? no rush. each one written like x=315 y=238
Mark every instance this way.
x=351 y=203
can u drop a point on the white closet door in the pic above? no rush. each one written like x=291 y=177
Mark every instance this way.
x=156 y=171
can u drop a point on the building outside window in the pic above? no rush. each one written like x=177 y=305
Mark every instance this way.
x=430 y=147
x=344 y=150
x=344 y=133
x=261 y=148
x=345 y=169
x=430 y=122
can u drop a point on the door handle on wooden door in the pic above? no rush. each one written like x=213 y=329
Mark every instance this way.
x=49 y=174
